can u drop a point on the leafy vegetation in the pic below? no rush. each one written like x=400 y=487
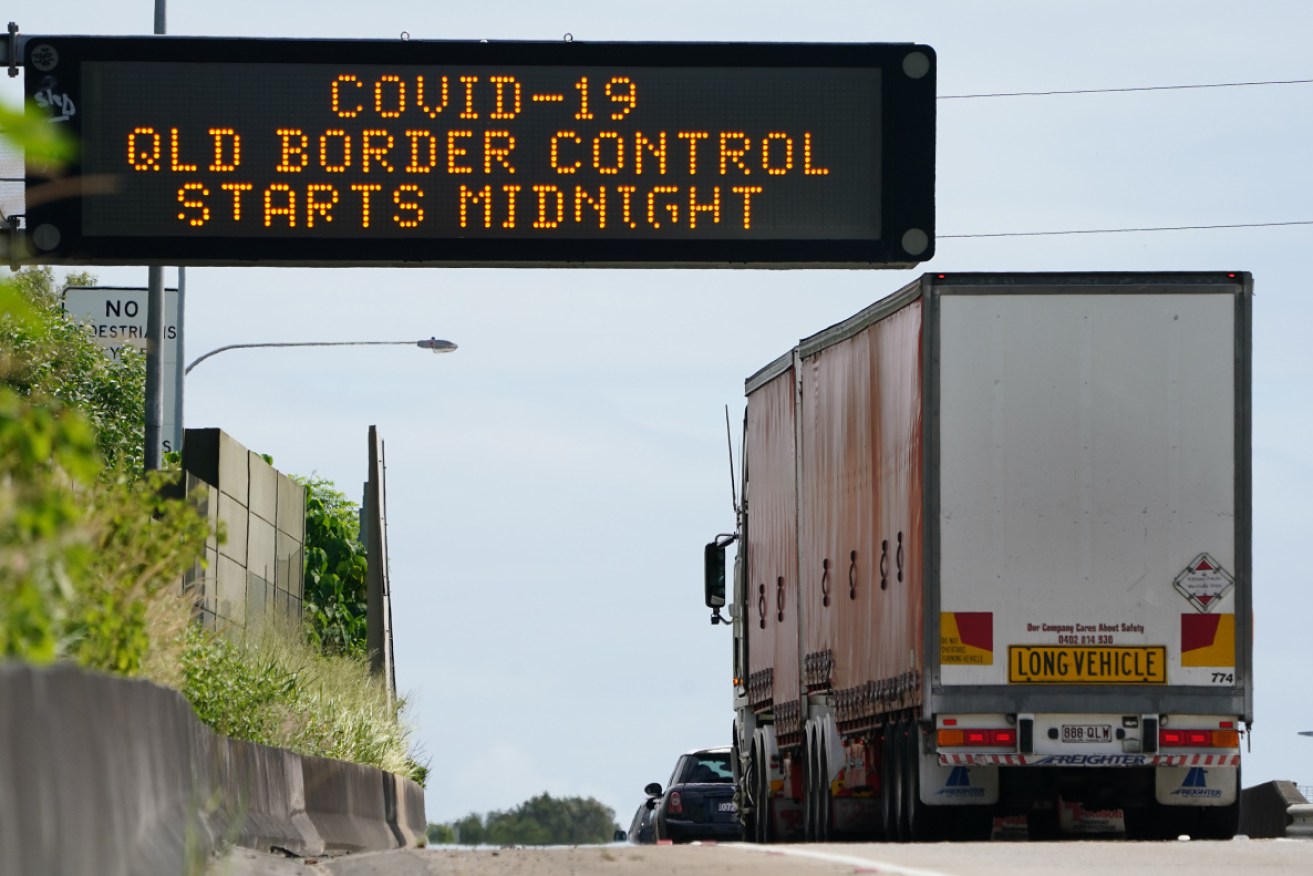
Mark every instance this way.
x=53 y=359
x=335 y=569
x=539 y=821
x=92 y=554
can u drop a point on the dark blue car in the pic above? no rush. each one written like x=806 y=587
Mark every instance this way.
x=698 y=803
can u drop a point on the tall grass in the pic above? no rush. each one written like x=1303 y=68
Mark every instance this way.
x=272 y=687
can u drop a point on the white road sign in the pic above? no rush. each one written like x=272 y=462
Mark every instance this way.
x=116 y=316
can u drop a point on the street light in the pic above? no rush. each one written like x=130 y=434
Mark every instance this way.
x=434 y=344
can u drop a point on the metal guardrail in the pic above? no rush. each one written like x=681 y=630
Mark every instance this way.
x=1301 y=821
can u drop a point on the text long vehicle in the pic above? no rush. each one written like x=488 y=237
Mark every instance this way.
x=1057 y=664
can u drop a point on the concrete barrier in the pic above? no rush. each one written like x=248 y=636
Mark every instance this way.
x=1265 y=809
x=116 y=776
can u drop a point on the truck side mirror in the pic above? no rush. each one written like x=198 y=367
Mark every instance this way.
x=714 y=570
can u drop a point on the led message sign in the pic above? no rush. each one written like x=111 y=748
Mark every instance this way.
x=309 y=152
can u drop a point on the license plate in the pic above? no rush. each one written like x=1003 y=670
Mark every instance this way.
x=727 y=807
x=1086 y=732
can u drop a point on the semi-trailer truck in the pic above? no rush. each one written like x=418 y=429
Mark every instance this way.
x=993 y=563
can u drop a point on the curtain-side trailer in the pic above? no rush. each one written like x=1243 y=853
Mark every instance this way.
x=993 y=563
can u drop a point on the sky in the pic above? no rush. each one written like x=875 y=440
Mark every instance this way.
x=551 y=483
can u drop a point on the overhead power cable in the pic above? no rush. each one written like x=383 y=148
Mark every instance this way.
x=1126 y=90
x=1124 y=230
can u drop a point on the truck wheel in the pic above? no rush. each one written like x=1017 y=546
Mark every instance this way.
x=891 y=784
x=920 y=819
x=742 y=786
x=809 y=790
x=1215 y=822
x=765 y=833
x=823 y=807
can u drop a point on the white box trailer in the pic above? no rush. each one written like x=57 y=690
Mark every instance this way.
x=994 y=562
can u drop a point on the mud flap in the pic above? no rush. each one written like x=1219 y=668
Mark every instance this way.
x=957 y=785
x=1196 y=786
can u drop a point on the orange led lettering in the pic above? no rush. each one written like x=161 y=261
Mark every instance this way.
x=693 y=137
x=730 y=154
x=511 y=193
x=469 y=82
x=236 y=189
x=623 y=93
x=144 y=149
x=321 y=206
x=584 y=113
x=379 y=152
x=807 y=168
x=497 y=146
x=416 y=211
x=598 y=204
x=341 y=148
x=672 y=207
x=345 y=112
x=228 y=137
x=470 y=197
x=398 y=101
x=418 y=165
x=554 y=158
x=455 y=151
x=187 y=196
x=747 y=192
x=625 y=192
x=366 y=200
x=174 y=164
x=550 y=200
x=288 y=208
x=500 y=97
x=694 y=208
x=293 y=146
x=785 y=162
x=431 y=111
x=618 y=152
x=656 y=147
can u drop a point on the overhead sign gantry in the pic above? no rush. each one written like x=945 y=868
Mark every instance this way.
x=311 y=152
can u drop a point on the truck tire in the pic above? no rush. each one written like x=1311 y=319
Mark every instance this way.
x=891 y=784
x=808 y=788
x=764 y=827
x=742 y=785
x=824 y=831
x=1214 y=822
x=920 y=819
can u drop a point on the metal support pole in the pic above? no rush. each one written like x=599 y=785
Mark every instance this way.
x=155 y=335
x=154 y=367
x=180 y=354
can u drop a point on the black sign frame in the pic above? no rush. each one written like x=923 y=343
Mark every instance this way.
x=905 y=168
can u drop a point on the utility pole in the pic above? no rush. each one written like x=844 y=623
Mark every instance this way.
x=155 y=335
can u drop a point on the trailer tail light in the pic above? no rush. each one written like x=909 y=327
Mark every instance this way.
x=675 y=805
x=1198 y=738
x=952 y=737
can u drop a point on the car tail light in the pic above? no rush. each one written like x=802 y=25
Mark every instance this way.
x=675 y=805
x=1198 y=738
x=1005 y=737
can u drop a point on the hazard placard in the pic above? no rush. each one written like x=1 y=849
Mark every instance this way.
x=1204 y=582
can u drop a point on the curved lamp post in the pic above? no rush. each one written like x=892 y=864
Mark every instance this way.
x=434 y=344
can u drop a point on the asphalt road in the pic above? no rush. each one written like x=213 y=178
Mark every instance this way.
x=1072 y=858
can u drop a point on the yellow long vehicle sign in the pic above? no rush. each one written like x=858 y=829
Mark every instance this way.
x=1062 y=664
